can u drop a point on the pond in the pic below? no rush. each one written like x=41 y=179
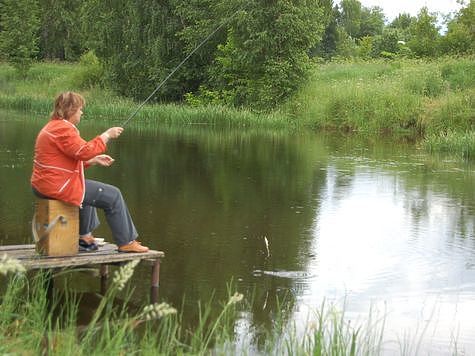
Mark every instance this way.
x=370 y=226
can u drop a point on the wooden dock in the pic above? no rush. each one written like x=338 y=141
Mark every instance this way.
x=106 y=255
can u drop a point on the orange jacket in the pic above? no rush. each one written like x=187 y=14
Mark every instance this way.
x=58 y=166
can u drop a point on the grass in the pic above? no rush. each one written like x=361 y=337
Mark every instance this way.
x=36 y=92
x=418 y=99
x=32 y=323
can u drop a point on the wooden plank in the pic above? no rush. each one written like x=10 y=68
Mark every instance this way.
x=16 y=247
x=106 y=254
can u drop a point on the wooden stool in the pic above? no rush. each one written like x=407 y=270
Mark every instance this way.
x=55 y=228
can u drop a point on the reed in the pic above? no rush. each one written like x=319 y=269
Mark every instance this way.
x=460 y=144
x=416 y=98
x=35 y=94
x=419 y=99
x=30 y=322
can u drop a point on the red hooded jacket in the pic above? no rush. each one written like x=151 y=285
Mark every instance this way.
x=58 y=166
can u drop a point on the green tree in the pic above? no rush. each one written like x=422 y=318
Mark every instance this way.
x=18 y=37
x=350 y=17
x=402 y=21
x=265 y=57
x=137 y=44
x=60 y=31
x=425 y=35
x=372 y=21
x=326 y=48
x=388 y=42
x=460 y=37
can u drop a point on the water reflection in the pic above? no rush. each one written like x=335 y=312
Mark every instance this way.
x=288 y=217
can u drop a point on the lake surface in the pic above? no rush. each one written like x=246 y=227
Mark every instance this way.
x=378 y=229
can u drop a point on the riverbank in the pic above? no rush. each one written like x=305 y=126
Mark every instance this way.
x=432 y=100
x=429 y=100
x=45 y=80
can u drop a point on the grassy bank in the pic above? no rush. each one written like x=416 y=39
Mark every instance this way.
x=432 y=100
x=44 y=81
x=27 y=326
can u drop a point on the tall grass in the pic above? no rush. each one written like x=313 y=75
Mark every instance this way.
x=32 y=323
x=36 y=92
x=421 y=99
x=417 y=98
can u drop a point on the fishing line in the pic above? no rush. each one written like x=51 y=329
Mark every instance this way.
x=175 y=69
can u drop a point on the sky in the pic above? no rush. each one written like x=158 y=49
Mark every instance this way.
x=392 y=8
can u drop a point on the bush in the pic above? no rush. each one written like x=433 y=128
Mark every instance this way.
x=90 y=72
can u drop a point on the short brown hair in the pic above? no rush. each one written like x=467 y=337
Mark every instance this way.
x=66 y=104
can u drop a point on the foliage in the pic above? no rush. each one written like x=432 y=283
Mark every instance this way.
x=372 y=21
x=45 y=80
x=90 y=72
x=424 y=34
x=460 y=38
x=138 y=52
x=350 y=18
x=265 y=55
x=402 y=96
x=60 y=29
x=326 y=48
x=18 y=40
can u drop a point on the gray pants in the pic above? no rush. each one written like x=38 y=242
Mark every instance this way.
x=108 y=198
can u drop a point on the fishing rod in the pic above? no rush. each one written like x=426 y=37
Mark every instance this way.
x=175 y=69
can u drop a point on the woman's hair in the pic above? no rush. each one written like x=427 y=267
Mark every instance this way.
x=66 y=104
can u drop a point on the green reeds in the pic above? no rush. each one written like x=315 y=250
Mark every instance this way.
x=461 y=144
x=36 y=93
x=412 y=97
x=30 y=322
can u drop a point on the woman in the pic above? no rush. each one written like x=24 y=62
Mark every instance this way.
x=58 y=173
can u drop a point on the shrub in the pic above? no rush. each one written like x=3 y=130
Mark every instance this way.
x=90 y=72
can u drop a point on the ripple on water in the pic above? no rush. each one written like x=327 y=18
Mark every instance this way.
x=283 y=274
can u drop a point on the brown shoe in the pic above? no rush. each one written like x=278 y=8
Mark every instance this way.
x=134 y=246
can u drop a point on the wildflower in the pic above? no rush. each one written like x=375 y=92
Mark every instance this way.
x=124 y=273
x=236 y=298
x=10 y=265
x=157 y=311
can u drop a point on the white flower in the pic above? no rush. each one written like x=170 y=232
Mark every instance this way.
x=124 y=273
x=157 y=311
x=10 y=265
x=236 y=298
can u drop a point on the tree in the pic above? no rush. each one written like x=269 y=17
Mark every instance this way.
x=60 y=33
x=137 y=44
x=460 y=37
x=372 y=21
x=402 y=21
x=425 y=36
x=326 y=48
x=18 y=38
x=265 y=57
x=350 y=17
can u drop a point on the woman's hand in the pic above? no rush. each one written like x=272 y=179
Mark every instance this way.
x=113 y=132
x=101 y=160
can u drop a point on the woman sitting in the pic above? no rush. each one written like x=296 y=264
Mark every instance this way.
x=58 y=173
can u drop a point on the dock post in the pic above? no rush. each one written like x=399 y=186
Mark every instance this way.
x=155 y=281
x=104 y=272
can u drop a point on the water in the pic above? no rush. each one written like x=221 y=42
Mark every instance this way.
x=379 y=229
